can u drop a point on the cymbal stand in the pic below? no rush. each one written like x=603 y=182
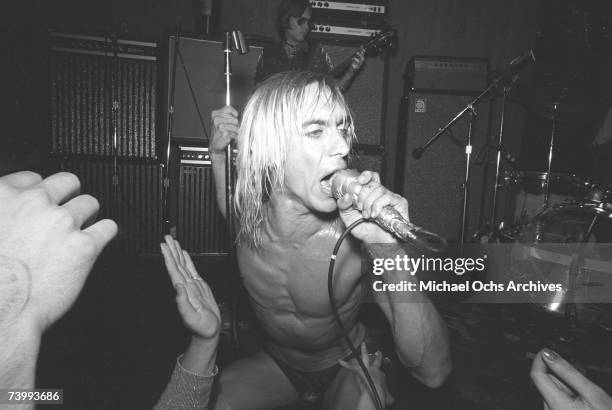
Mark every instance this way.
x=555 y=108
x=516 y=63
x=500 y=148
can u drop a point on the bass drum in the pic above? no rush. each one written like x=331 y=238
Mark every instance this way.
x=568 y=244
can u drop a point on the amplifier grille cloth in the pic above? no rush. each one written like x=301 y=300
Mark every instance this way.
x=82 y=105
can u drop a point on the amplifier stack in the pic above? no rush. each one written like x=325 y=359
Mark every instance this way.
x=348 y=21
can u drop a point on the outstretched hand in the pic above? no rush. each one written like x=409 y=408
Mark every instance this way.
x=194 y=299
x=48 y=247
x=373 y=363
x=563 y=387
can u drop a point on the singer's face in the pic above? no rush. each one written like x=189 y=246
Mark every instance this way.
x=323 y=150
x=298 y=28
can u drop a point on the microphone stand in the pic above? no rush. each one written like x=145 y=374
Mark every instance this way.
x=169 y=132
x=229 y=198
x=229 y=172
x=469 y=108
x=114 y=121
x=500 y=148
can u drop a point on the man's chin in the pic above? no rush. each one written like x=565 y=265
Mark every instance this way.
x=328 y=205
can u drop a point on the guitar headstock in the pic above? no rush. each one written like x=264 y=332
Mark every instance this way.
x=385 y=40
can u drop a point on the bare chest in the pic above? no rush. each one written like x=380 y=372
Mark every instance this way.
x=292 y=278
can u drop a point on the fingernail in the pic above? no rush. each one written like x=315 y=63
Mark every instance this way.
x=550 y=354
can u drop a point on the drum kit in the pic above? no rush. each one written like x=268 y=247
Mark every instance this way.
x=569 y=212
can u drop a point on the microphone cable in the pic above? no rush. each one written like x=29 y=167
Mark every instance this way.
x=330 y=290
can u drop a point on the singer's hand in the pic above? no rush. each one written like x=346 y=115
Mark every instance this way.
x=225 y=128
x=372 y=198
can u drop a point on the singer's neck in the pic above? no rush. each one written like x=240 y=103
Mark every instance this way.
x=288 y=219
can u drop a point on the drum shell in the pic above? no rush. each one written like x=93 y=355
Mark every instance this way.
x=530 y=191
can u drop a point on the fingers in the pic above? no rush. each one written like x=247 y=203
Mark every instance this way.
x=102 y=232
x=22 y=180
x=82 y=208
x=175 y=275
x=567 y=373
x=368 y=176
x=226 y=110
x=178 y=251
x=61 y=186
x=191 y=269
x=552 y=395
x=345 y=202
x=227 y=117
x=373 y=197
x=226 y=124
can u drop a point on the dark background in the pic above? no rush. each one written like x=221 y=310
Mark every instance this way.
x=116 y=348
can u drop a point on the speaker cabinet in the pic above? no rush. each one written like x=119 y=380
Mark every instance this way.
x=200 y=85
x=201 y=228
x=131 y=196
x=98 y=86
x=366 y=96
x=433 y=184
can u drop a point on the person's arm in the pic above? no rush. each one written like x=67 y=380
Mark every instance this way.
x=45 y=257
x=563 y=387
x=225 y=128
x=191 y=381
x=420 y=334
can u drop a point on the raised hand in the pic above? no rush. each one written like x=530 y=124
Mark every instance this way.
x=45 y=255
x=563 y=387
x=225 y=128
x=194 y=299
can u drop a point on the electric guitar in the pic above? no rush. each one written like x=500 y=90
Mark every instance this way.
x=385 y=40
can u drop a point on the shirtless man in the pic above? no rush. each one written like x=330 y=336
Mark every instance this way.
x=296 y=131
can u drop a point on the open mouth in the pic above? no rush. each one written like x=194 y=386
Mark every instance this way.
x=326 y=184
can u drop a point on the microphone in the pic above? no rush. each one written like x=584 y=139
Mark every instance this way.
x=519 y=60
x=345 y=182
x=206 y=7
x=417 y=153
x=206 y=11
x=239 y=42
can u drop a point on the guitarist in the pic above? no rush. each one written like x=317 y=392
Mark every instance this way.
x=295 y=52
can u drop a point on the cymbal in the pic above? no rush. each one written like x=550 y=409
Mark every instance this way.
x=568 y=104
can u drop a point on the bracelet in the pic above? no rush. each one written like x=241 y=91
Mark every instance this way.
x=213 y=374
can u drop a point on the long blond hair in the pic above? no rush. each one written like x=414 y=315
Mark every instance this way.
x=271 y=124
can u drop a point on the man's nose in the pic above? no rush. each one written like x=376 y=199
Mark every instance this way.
x=340 y=146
